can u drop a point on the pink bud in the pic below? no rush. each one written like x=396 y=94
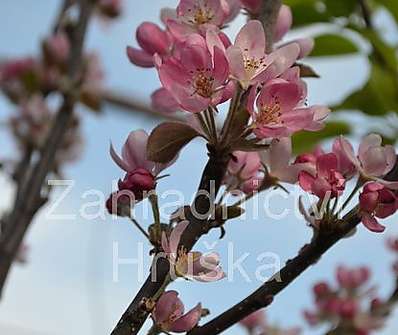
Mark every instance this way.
x=57 y=47
x=138 y=181
x=348 y=309
x=321 y=289
x=152 y=38
x=283 y=23
x=254 y=320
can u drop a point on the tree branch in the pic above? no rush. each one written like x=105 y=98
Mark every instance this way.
x=29 y=201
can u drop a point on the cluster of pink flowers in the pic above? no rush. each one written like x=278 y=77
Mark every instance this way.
x=199 y=66
x=351 y=307
x=256 y=324
x=330 y=172
x=30 y=83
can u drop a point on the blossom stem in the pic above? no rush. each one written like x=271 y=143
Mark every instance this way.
x=153 y=198
x=354 y=191
x=203 y=124
x=142 y=230
x=233 y=107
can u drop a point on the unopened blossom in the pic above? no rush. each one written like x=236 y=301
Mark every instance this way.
x=253 y=321
x=248 y=61
x=197 y=76
x=327 y=181
x=57 y=48
x=120 y=203
x=196 y=16
x=392 y=244
x=373 y=160
x=376 y=201
x=281 y=110
x=140 y=172
x=153 y=40
x=163 y=101
x=243 y=171
x=352 y=278
x=278 y=157
x=283 y=22
x=168 y=314
x=192 y=264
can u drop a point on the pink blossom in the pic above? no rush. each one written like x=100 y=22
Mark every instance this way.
x=152 y=40
x=283 y=22
x=14 y=69
x=134 y=154
x=254 y=320
x=376 y=201
x=196 y=77
x=138 y=181
x=373 y=161
x=169 y=315
x=392 y=244
x=248 y=61
x=281 y=110
x=196 y=16
x=164 y=102
x=193 y=264
x=243 y=171
x=352 y=278
x=278 y=161
x=327 y=181
x=57 y=47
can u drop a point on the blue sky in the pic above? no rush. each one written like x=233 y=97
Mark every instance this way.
x=67 y=287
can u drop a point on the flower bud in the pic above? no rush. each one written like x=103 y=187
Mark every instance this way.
x=138 y=181
x=321 y=289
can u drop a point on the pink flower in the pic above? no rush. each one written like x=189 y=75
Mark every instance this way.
x=14 y=69
x=248 y=61
x=134 y=154
x=152 y=40
x=191 y=264
x=278 y=157
x=243 y=171
x=327 y=181
x=376 y=201
x=283 y=22
x=138 y=181
x=196 y=77
x=254 y=320
x=169 y=315
x=352 y=278
x=196 y=16
x=281 y=110
x=373 y=160
x=392 y=244
x=164 y=102
x=57 y=47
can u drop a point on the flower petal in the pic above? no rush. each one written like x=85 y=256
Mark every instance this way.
x=188 y=321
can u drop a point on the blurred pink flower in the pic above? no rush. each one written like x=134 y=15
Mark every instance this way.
x=169 y=315
x=57 y=47
x=352 y=278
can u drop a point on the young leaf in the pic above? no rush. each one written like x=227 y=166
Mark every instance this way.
x=333 y=45
x=167 y=139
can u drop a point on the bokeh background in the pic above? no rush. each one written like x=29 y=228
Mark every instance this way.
x=67 y=286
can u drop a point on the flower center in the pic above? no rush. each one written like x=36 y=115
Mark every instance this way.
x=203 y=84
x=253 y=65
x=269 y=114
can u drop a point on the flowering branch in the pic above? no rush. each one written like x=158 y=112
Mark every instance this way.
x=29 y=198
x=308 y=255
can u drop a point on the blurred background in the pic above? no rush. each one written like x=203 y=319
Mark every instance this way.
x=67 y=286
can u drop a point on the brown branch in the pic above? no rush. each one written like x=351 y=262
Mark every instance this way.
x=268 y=15
x=30 y=199
x=307 y=256
x=135 y=105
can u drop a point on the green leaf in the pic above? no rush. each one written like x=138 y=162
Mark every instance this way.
x=341 y=8
x=306 y=12
x=379 y=95
x=167 y=139
x=306 y=141
x=333 y=45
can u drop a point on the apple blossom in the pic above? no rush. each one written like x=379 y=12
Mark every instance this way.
x=162 y=101
x=248 y=61
x=152 y=40
x=327 y=181
x=168 y=314
x=197 y=76
x=373 y=161
x=192 y=264
x=281 y=110
x=376 y=201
